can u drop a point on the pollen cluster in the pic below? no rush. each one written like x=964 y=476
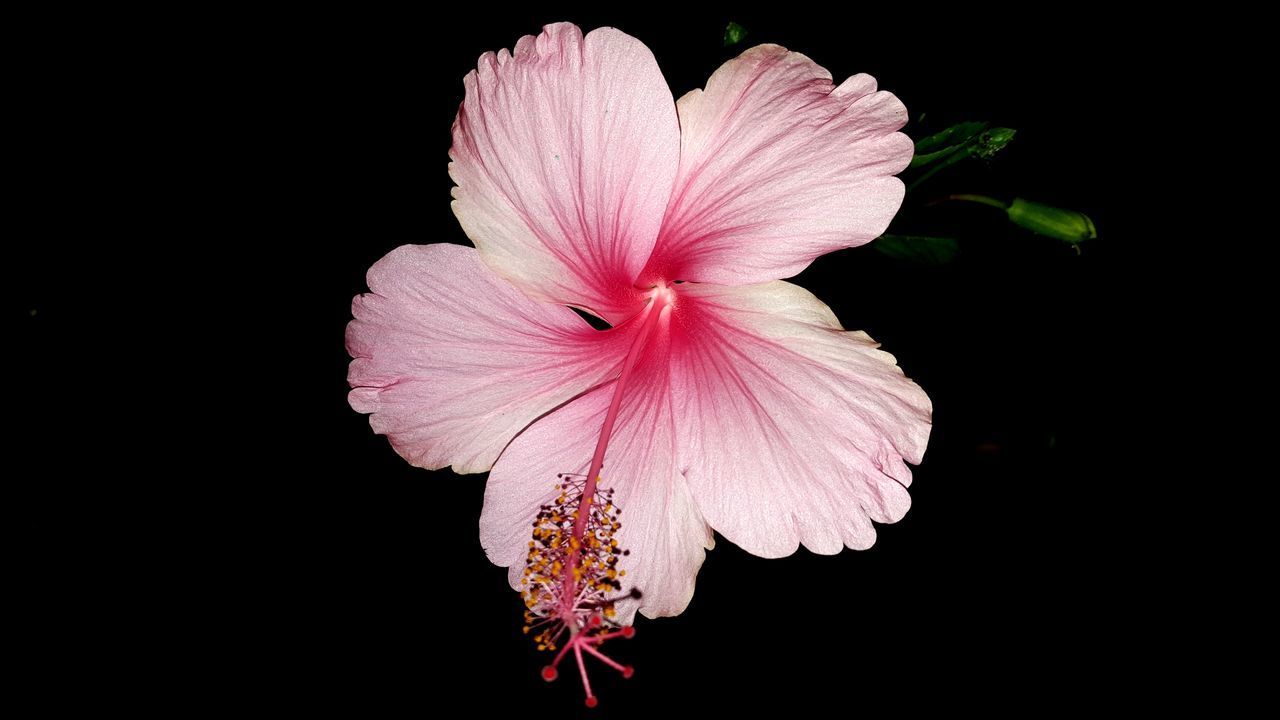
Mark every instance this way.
x=569 y=577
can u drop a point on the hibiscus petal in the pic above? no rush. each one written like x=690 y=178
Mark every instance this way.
x=661 y=527
x=777 y=167
x=791 y=429
x=564 y=154
x=451 y=361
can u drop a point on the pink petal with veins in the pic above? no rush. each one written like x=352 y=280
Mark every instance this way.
x=564 y=154
x=451 y=361
x=791 y=430
x=777 y=167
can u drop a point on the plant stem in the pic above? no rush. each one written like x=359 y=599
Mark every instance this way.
x=980 y=199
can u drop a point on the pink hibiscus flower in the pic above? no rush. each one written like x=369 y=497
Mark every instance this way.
x=722 y=399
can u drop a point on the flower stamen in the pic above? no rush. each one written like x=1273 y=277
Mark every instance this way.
x=589 y=619
x=571 y=576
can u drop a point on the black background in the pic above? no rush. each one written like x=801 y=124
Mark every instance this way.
x=244 y=536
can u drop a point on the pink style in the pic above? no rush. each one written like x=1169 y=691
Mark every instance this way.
x=722 y=398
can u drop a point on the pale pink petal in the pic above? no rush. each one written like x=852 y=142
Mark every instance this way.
x=452 y=361
x=564 y=153
x=791 y=430
x=777 y=167
x=661 y=526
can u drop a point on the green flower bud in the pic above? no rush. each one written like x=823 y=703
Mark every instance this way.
x=1066 y=225
x=734 y=34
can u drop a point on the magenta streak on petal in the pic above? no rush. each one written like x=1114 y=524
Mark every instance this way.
x=661 y=299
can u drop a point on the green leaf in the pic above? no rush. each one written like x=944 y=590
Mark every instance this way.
x=967 y=138
x=992 y=141
x=952 y=136
x=734 y=34
x=921 y=249
x=983 y=145
x=928 y=158
x=947 y=145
